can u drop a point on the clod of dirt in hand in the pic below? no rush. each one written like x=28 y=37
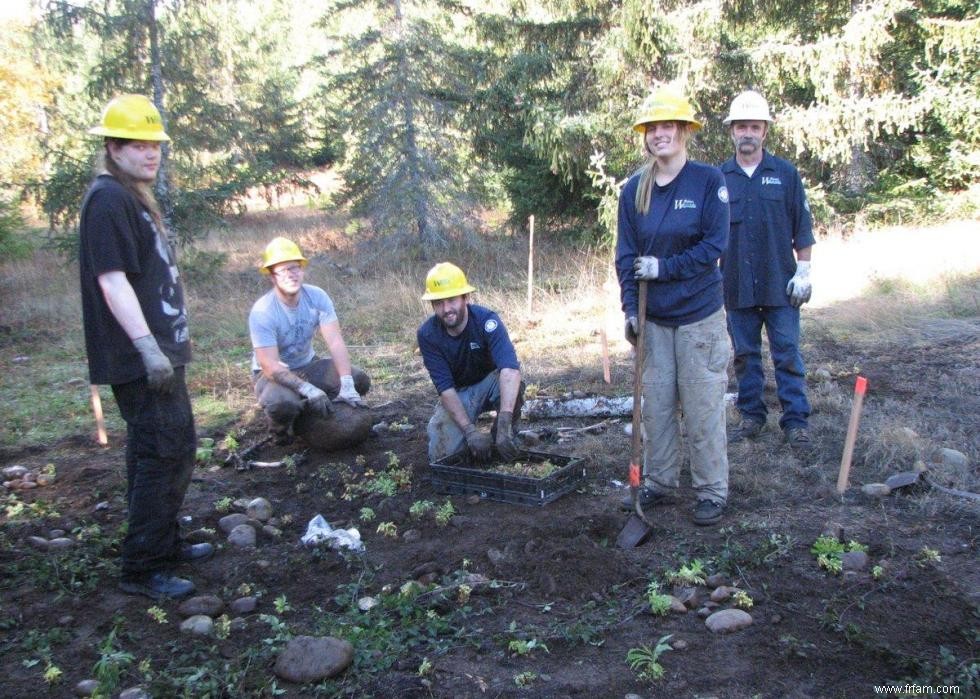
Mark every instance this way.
x=208 y=605
x=310 y=659
x=243 y=535
x=134 y=693
x=876 y=490
x=720 y=594
x=854 y=560
x=86 y=688
x=229 y=522
x=677 y=606
x=14 y=472
x=243 y=605
x=728 y=620
x=197 y=625
x=260 y=509
x=954 y=458
x=717 y=580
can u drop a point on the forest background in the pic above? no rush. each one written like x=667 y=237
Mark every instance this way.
x=447 y=120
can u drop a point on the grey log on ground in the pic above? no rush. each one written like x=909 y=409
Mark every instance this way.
x=346 y=427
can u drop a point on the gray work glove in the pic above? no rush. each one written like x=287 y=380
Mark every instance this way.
x=159 y=370
x=632 y=330
x=479 y=443
x=348 y=394
x=316 y=399
x=646 y=268
x=506 y=447
x=799 y=287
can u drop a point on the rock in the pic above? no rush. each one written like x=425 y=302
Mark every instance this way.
x=679 y=644
x=411 y=536
x=237 y=624
x=135 y=693
x=29 y=476
x=876 y=490
x=197 y=625
x=310 y=659
x=86 y=688
x=728 y=620
x=854 y=560
x=104 y=505
x=14 y=472
x=38 y=542
x=677 y=606
x=271 y=531
x=208 y=605
x=199 y=536
x=44 y=479
x=720 y=594
x=366 y=603
x=711 y=605
x=25 y=484
x=241 y=503
x=424 y=569
x=717 y=580
x=834 y=530
x=689 y=596
x=243 y=536
x=496 y=556
x=954 y=458
x=229 y=522
x=66 y=620
x=474 y=500
x=243 y=605
x=704 y=612
x=60 y=544
x=776 y=618
x=259 y=508
x=56 y=533
x=262 y=563
x=920 y=466
x=346 y=427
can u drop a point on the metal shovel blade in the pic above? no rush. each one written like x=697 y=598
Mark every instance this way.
x=902 y=480
x=634 y=533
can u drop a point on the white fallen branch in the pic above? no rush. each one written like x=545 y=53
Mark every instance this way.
x=592 y=406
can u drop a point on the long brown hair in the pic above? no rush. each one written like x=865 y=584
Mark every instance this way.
x=141 y=190
x=648 y=170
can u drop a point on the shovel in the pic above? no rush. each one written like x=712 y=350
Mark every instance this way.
x=638 y=527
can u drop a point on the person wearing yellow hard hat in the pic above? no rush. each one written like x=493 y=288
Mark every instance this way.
x=767 y=272
x=289 y=376
x=672 y=230
x=137 y=341
x=472 y=363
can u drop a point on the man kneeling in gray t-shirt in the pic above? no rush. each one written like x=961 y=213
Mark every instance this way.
x=282 y=323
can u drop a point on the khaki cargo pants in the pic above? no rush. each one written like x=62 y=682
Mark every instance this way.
x=686 y=366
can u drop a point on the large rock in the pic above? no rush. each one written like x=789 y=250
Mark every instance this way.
x=309 y=659
x=728 y=620
x=208 y=605
x=954 y=458
x=197 y=625
x=260 y=509
x=346 y=427
x=242 y=536
x=229 y=522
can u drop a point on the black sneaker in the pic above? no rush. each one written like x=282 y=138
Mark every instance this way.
x=707 y=512
x=193 y=553
x=749 y=429
x=798 y=438
x=647 y=496
x=160 y=585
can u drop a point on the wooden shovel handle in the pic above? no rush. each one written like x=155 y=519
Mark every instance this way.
x=636 y=443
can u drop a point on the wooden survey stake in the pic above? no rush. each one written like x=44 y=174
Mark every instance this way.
x=860 y=386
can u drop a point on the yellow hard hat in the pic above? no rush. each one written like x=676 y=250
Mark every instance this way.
x=133 y=117
x=445 y=281
x=281 y=250
x=665 y=104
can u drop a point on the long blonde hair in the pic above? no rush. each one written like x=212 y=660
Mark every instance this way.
x=648 y=170
x=141 y=190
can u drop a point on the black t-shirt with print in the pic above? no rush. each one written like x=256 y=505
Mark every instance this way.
x=116 y=233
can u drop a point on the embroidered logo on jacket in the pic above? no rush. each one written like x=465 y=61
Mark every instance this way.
x=771 y=180
x=474 y=345
x=723 y=194
x=684 y=204
x=490 y=325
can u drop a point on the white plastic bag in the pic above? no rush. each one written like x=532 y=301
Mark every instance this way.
x=319 y=531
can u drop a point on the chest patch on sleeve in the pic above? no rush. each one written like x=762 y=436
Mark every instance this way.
x=490 y=325
x=723 y=194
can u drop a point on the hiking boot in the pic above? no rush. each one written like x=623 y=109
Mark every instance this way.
x=749 y=429
x=159 y=586
x=193 y=553
x=647 y=496
x=798 y=438
x=707 y=512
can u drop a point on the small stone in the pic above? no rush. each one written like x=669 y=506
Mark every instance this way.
x=60 y=544
x=262 y=563
x=717 y=580
x=954 y=458
x=241 y=503
x=833 y=530
x=496 y=556
x=776 y=618
x=310 y=659
x=199 y=536
x=38 y=542
x=66 y=620
x=274 y=521
x=134 y=693
x=243 y=605
x=721 y=594
x=26 y=484
x=854 y=560
x=260 y=509
x=229 y=522
x=366 y=603
x=271 y=531
x=242 y=536
x=411 y=536
x=728 y=620
x=56 y=533
x=86 y=688
x=920 y=466
x=237 y=624
x=711 y=605
x=104 y=505
x=876 y=490
x=29 y=476
x=704 y=612
x=823 y=374
x=689 y=596
x=677 y=606
x=473 y=500
x=43 y=480
x=197 y=625
x=208 y=605
x=14 y=472
x=679 y=644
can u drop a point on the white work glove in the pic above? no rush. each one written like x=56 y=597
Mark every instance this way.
x=646 y=268
x=159 y=370
x=632 y=330
x=348 y=393
x=316 y=399
x=799 y=286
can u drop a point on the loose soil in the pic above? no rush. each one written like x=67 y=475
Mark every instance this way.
x=557 y=575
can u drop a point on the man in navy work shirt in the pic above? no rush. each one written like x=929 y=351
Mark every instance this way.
x=472 y=362
x=766 y=271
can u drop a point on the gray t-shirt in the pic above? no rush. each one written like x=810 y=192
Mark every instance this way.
x=273 y=324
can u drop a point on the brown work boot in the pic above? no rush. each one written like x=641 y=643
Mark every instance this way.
x=798 y=438
x=748 y=429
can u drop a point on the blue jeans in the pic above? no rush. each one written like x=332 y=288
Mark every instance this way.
x=782 y=325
